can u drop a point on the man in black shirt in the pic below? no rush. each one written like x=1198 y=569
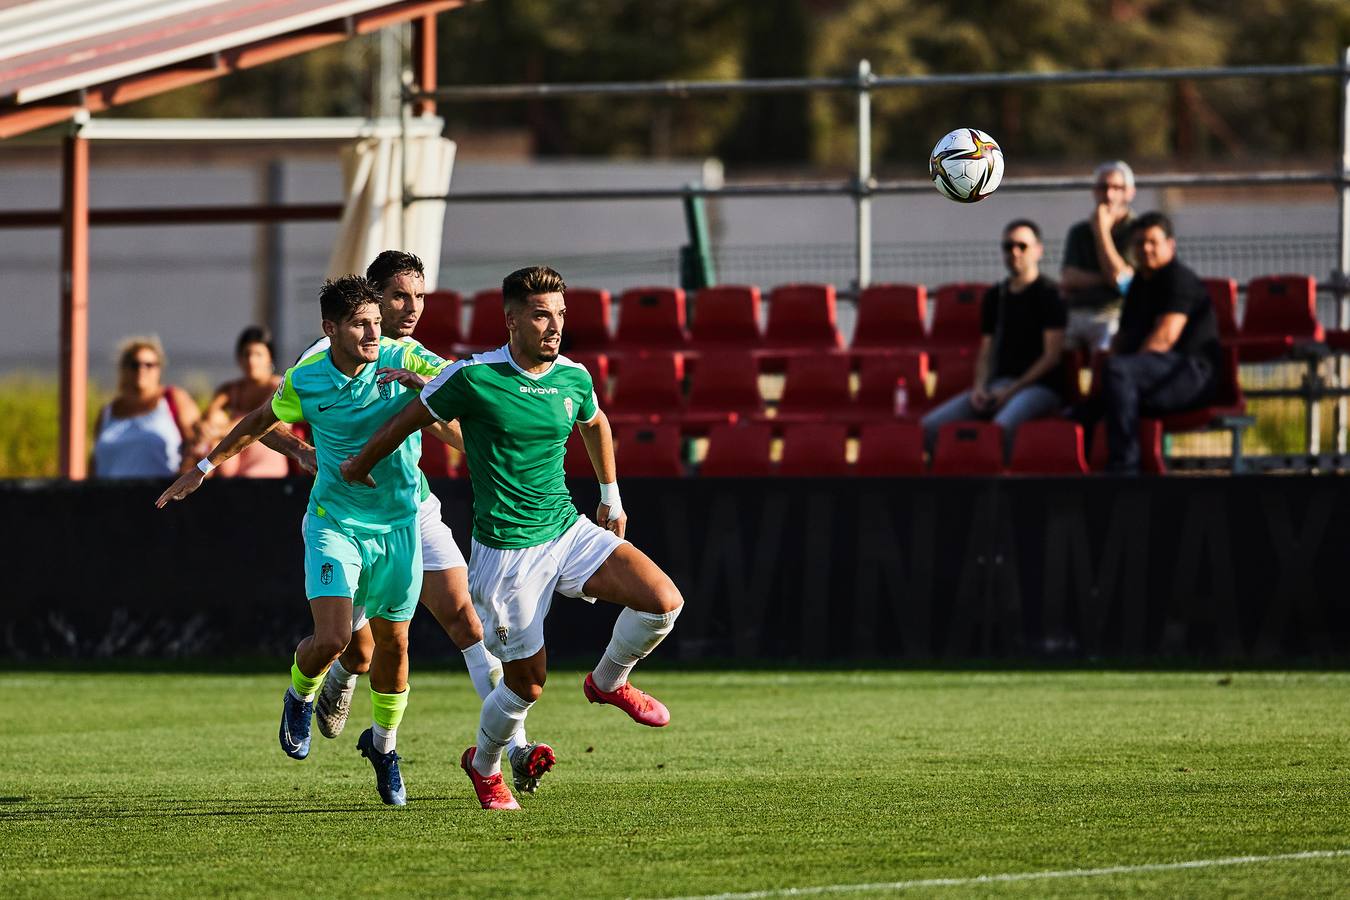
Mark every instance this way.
x=1166 y=353
x=1094 y=263
x=1017 y=370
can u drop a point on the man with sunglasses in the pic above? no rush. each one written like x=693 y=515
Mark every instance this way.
x=1018 y=376
x=1095 y=274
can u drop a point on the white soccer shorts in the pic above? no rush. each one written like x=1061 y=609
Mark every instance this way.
x=439 y=550
x=513 y=589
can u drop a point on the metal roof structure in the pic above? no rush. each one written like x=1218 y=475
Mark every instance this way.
x=63 y=58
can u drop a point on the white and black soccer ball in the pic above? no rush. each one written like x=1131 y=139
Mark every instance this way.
x=966 y=165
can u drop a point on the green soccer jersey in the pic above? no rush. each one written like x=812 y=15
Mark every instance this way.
x=342 y=414
x=515 y=428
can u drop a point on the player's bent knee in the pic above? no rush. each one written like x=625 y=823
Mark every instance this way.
x=330 y=645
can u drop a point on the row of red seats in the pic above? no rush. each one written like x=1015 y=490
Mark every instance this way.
x=1281 y=313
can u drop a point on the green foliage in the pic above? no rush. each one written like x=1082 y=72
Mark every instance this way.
x=30 y=409
x=154 y=785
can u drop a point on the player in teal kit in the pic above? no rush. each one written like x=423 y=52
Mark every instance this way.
x=516 y=406
x=361 y=542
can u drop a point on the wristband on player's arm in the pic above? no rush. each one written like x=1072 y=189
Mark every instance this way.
x=206 y=465
x=609 y=496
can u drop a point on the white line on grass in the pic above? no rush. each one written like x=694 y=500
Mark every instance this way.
x=1020 y=876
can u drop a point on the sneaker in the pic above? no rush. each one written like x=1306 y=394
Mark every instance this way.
x=530 y=763
x=331 y=707
x=644 y=708
x=388 y=779
x=294 y=736
x=491 y=790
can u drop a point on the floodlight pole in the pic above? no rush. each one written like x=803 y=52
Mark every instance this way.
x=74 y=302
x=1341 y=277
x=862 y=186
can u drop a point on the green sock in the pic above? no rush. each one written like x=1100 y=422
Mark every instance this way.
x=302 y=683
x=388 y=708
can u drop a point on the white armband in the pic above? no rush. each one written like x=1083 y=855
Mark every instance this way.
x=609 y=496
x=205 y=465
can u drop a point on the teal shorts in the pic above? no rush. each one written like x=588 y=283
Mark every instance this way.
x=380 y=571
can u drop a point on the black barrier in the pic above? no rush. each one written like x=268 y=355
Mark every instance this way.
x=772 y=569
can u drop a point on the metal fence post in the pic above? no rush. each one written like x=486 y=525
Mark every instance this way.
x=862 y=186
x=1341 y=277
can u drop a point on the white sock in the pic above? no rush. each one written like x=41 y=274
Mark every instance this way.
x=291 y=690
x=384 y=739
x=503 y=716
x=339 y=678
x=481 y=665
x=635 y=635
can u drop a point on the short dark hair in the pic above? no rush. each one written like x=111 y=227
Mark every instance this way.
x=524 y=283
x=1152 y=219
x=254 y=334
x=339 y=298
x=390 y=264
x=1023 y=223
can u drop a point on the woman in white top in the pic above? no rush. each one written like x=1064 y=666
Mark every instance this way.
x=141 y=433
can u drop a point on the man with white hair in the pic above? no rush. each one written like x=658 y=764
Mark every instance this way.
x=1095 y=274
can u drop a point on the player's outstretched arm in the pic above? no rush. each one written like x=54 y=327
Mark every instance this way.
x=414 y=417
x=288 y=443
x=599 y=440
x=449 y=433
x=249 y=429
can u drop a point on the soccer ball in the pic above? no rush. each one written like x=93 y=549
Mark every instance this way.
x=966 y=165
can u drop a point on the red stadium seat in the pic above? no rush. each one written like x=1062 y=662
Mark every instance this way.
x=726 y=316
x=300 y=430
x=576 y=461
x=598 y=365
x=955 y=373
x=891 y=316
x=1281 y=313
x=587 y=327
x=1228 y=400
x=802 y=321
x=1048 y=447
x=438 y=329
x=1223 y=293
x=487 y=323
x=648 y=451
x=969 y=448
x=956 y=316
x=877 y=382
x=816 y=388
x=723 y=388
x=814 y=450
x=738 y=451
x=648 y=389
x=438 y=460
x=890 y=449
x=652 y=318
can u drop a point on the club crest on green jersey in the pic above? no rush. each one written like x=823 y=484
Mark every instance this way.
x=567 y=407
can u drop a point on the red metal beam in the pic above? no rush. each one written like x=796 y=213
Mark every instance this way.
x=181 y=215
x=74 y=306
x=424 y=62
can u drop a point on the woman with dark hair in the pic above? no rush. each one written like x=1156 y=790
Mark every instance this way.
x=235 y=399
x=142 y=432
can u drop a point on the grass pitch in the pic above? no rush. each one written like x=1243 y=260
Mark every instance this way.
x=132 y=785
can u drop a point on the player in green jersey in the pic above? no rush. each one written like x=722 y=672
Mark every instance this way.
x=516 y=406
x=361 y=542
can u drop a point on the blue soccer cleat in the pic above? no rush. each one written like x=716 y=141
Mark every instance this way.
x=295 y=715
x=388 y=780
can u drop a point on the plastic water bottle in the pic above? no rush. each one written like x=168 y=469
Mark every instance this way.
x=901 y=397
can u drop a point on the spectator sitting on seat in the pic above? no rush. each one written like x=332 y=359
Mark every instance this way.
x=235 y=399
x=142 y=432
x=1094 y=269
x=1018 y=375
x=1167 y=352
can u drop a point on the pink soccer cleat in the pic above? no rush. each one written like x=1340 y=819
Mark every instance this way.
x=644 y=708
x=491 y=790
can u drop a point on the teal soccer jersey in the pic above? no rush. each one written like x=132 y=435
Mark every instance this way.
x=342 y=414
x=515 y=428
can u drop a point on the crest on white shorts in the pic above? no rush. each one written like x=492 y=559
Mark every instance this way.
x=567 y=407
x=502 y=632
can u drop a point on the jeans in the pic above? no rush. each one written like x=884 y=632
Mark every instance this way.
x=1091 y=329
x=1152 y=383
x=1034 y=401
